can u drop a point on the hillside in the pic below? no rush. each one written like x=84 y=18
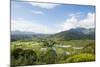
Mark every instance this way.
x=75 y=34
x=72 y=34
x=22 y=35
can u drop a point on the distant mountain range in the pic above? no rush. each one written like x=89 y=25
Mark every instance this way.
x=77 y=33
x=22 y=35
x=22 y=32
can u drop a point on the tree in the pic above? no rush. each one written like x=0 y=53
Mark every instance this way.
x=50 y=56
x=48 y=43
x=21 y=56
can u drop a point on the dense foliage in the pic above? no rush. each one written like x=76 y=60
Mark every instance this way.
x=21 y=56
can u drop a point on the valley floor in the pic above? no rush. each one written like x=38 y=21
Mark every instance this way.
x=50 y=52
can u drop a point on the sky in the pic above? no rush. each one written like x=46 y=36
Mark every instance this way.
x=50 y=18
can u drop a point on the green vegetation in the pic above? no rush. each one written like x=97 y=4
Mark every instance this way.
x=63 y=47
x=23 y=57
x=50 y=52
x=83 y=57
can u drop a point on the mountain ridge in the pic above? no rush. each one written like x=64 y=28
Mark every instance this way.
x=72 y=34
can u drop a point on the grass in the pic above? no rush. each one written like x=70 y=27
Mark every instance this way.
x=76 y=55
x=83 y=57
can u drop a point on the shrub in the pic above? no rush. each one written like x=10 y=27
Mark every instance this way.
x=84 y=57
x=89 y=48
x=49 y=57
x=21 y=56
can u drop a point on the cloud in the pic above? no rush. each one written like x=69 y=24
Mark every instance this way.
x=89 y=22
x=44 y=5
x=30 y=27
x=20 y=18
x=38 y=12
x=14 y=5
x=74 y=22
x=18 y=6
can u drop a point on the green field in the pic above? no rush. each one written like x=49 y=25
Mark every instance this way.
x=51 y=52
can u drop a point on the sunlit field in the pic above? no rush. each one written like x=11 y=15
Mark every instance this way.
x=38 y=52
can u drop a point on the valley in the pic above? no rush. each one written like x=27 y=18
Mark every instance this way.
x=74 y=45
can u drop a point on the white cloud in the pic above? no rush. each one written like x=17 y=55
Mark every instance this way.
x=89 y=22
x=74 y=22
x=76 y=15
x=69 y=23
x=38 y=12
x=18 y=6
x=20 y=18
x=44 y=5
x=13 y=4
x=30 y=27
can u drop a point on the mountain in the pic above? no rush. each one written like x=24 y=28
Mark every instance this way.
x=18 y=35
x=74 y=34
x=22 y=35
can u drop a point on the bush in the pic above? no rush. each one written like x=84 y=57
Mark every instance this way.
x=85 y=57
x=21 y=56
x=89 y=48
x=49 y=57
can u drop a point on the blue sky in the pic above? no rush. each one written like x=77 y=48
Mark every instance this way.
x=50 y=18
